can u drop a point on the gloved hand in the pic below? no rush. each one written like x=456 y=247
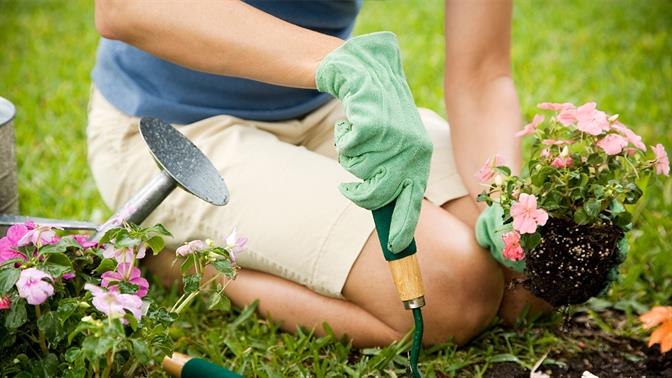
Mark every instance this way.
x=383 y=141
x=490 y=228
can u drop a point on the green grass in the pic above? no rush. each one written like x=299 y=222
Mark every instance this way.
x=614 y=52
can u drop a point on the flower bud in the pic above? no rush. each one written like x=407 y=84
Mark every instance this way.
x=613 y=118
x=499 y=179
x=564 y=152
x=83 y=305
x=88 y=319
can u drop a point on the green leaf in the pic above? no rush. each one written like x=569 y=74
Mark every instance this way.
x=623 y=219
x=156 y=244
x=161 y=315
x=225 y=267
x=126 y=287
x=580 y=216
x=160 y=229
x=140 y=351
x=504 y=170
x=89 y=346
x=594 y=158
x=616 y=207
x=127 y=242
x=66 y=307
x=593 y=207
x=187 y=264
x=113 y=234
x=72 y=353
x=82 y=326
x=8 y=278
x=632 y=194
x=17 y=315
x=61 y=246
x=597 y=190
x=105 y=266
x=530 y=241
x=218 y=301
x=132 y=321
x=105 y=343
x=191 y=283
x=58 y=263
x=48 y=324
x=483 y=197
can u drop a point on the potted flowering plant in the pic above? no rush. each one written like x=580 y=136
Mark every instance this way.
x=563 y=220
x=76 y=308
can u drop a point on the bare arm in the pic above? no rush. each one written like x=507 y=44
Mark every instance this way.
x=481 y=101
x=482 y=108
x=222 y=37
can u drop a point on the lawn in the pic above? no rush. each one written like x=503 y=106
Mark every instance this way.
x=617 y=53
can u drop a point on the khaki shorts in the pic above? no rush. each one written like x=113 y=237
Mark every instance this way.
x=282 y=177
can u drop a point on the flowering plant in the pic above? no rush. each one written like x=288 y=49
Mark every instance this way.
x=79 y=308
x=663 y=334
x=585 y=166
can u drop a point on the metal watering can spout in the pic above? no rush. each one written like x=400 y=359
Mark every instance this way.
x=181 y=162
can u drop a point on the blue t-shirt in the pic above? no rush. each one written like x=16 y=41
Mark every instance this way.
x=140 y=84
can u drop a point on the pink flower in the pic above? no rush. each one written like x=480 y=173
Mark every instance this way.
x=118 y=219
x=612 y=144
x=545 y=153
x=555 y=106
x=526 y=216
x=83 y=240
x=113 y=303
x=633 y=138
x=567 y=116
x=32 y=286
x=554 y=142
x=39 y=236
x=512 y=249
x=530 y=127
x=124 y=273
x=123 y=255
x=68 y=276
x=191 y=247
x=662 y=161
x=590 y=120
x=5 y=303
x=562 y=162
x=487 y=171
x=235 y=245
x=10 y=241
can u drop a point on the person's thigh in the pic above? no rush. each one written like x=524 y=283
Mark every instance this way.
x=284 y=198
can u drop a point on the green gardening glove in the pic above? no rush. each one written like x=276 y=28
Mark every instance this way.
x=383 y=141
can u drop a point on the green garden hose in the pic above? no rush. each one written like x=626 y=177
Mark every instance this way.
x=406 y=276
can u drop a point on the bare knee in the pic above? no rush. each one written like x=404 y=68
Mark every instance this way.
x=463 y=299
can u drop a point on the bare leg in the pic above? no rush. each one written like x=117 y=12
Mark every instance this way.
x=463 y=289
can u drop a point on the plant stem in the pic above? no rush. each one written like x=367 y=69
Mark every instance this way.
x=108 y=368
x=43 y=344
x=183 y=302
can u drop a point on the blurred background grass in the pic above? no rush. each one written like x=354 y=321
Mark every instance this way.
x=615 y=52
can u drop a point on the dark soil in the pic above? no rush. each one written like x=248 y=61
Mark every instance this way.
x=587 y=348
x=572 y=262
